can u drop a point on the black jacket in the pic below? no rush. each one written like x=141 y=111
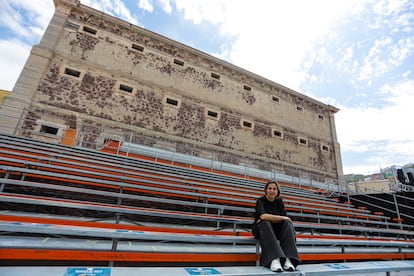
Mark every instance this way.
x=264 y=206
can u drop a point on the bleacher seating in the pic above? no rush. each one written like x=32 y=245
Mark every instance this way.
x=63 y=204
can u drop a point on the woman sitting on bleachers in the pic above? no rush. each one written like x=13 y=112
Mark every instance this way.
x=275 y=231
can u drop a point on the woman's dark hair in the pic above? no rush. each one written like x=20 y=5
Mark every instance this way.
x=272 y=182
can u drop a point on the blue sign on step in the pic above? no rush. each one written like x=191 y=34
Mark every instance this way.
x=379 y=264
x=88 y=271
x=337 y=266
x=202 y=271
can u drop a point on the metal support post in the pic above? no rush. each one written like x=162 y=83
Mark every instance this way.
x=398 y=211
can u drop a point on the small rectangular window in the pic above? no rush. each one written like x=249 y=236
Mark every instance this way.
x=275 y=99
x=49 y=129
x=212 y=114
x=321 y=117
x=325 y=148
x=215 y=76
x=89 y=30
x=179 y=62
x=277 y=133
x=248 y=88
x=72 y=72
x=125 y=88
x=247 y=124
x=137 y=47
x=303 y=141
x=299 y=108
x=171 y=101
x=72 y=25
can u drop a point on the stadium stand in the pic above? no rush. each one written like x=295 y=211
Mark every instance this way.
x=68 y=206
x=410 y=178
x=401 y=177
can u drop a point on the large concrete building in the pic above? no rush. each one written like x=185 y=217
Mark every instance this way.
x=97 y=77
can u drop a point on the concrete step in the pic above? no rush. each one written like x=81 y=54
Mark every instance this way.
x=351 y=268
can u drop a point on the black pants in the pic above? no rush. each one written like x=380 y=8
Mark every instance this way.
x=277 y=240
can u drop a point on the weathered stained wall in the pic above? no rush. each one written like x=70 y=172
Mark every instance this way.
x=155 y=68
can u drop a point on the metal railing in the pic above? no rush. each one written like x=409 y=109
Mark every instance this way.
x=91 y=135
x=395 y=203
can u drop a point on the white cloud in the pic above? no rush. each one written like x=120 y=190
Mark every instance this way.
x=381 y=155
x=23 y=21
x=383 y=133
x=348 y=54
x=145 y=5
x=374 y=124
x=213 y=11
x=346 y=63
x=17 y=54
x=403 y=22
x=401 y=50
x=272 y=36
x=13 y=20
x=363 y=169
x=39 y=12
x=116 y=8
x=166 y=6
x=388 y=7
x=385 y=55
x=401 y=96
x=374 y=64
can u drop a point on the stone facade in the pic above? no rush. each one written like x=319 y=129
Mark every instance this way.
x=93 y=68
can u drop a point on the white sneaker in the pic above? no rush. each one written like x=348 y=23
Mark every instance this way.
x=288 y=266
x=276 y=266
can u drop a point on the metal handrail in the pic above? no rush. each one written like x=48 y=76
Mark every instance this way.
x=172 y=154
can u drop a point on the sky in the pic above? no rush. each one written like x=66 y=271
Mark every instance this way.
x=357 y=55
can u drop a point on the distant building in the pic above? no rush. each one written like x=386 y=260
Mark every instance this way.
x=372 y=186
x=97 y=78
x=3 y=95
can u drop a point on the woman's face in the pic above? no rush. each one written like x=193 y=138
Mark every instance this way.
x=271 y=191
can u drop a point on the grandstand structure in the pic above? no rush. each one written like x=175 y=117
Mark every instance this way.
x=77 y=207
x=87 y=190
